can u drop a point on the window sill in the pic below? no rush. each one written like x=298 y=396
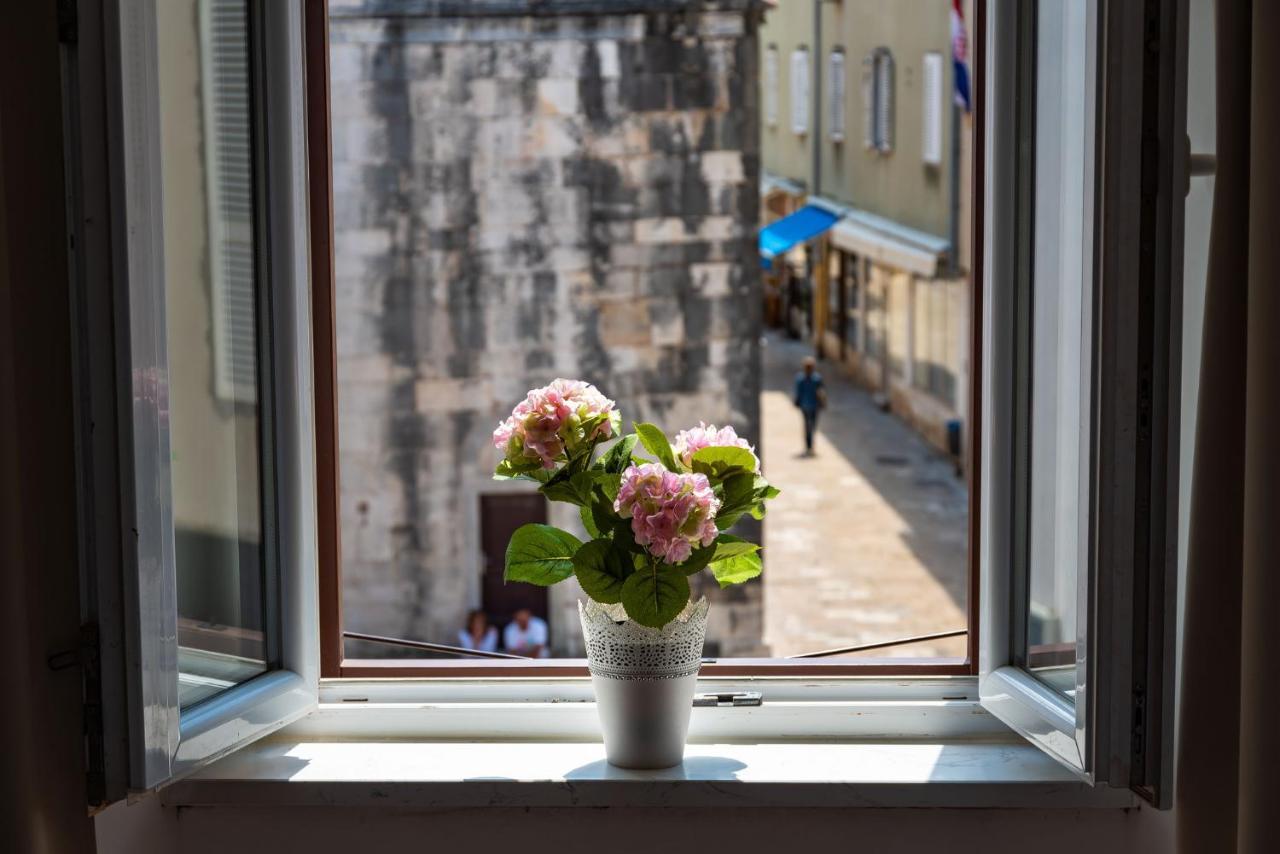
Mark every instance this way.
x=302 y=766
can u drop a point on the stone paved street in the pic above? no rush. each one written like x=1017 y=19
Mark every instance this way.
x=867 y=540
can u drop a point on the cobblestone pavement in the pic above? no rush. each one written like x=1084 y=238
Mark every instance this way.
x=867 y=540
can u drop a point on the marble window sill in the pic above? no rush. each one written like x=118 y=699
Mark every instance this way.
x=426 y=774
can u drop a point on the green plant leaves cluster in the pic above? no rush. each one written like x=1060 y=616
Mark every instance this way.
x=611 y=566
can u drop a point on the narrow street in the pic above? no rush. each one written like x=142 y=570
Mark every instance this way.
x=867 y=540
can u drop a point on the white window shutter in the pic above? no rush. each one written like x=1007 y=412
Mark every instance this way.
x=869 y=102
x=884 y=101
x=800 y=91
x=229 y=188
x=931 y=124
x=771 y=86
x=836 y=89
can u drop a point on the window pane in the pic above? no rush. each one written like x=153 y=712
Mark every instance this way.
x=211 y=311
x=1060 y=344
x=517 y=200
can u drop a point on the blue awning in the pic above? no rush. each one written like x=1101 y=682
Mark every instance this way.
x=806 y=223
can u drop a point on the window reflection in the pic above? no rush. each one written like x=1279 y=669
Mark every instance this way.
x=211 y=324
x=1060 y=343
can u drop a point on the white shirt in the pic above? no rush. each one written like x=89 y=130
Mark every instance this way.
x=516 y=640
x=488 y=641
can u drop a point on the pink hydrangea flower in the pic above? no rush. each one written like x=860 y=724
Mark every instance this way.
x=689 y=442
x=556 y=421
x=670 y=513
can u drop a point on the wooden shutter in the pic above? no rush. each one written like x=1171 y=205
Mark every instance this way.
x=771 y=86
x=835 y=86
x=869 y=102
x=225 y=92
x=800 y=91
x=931 y=124
x=884 y=101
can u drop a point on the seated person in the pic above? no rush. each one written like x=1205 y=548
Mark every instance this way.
x=478 y=634
x=526 y=635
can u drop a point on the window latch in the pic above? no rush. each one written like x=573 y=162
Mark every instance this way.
x=736 y=698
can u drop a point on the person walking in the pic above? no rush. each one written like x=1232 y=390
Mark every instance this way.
x=810 y=398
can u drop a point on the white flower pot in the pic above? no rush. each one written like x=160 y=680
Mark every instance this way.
x=644 y=681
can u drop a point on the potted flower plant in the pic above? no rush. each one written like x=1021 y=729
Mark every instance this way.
x=653 y=522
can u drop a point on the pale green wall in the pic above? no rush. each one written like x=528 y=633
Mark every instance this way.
x=897 y=185
x=783 y=152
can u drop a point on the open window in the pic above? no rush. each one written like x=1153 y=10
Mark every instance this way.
x=570 y=204
x=1084 y=247
x=1073 y=413
x=209 y=347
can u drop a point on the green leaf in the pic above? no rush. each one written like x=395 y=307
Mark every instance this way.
x=601 y=569
x=624 y=537
x=571 y=488
x=698 y=560
x=737 y=493
x=727 y=546
x=607 y=484
x=540 y=554
x=654 y=596
x=618 y=457
x=740 y=487
x=530 y=470
x=589 y=522
x=602 y=512
x=737 y=569
x=655 y=442
x=725 y=521
x=719 y=462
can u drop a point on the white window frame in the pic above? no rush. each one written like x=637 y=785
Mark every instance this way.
x=1119 y=586
x=800 y=91
x=164 y=742
x=1091 y=735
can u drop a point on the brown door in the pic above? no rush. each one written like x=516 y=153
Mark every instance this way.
x=500 y=515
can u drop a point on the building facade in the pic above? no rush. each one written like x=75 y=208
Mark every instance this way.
x=525 y=191
x=866 y=126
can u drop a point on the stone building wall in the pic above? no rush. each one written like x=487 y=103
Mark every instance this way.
x=526 y=190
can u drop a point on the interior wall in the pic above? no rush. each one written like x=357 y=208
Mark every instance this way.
x=199 y=830
x=42 y=782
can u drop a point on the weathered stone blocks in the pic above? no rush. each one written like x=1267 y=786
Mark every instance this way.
x=519 y=198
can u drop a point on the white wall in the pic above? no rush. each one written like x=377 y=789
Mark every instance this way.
x=199 y=830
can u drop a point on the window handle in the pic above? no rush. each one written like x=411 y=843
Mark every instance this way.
x=734 y=698
x=1198 y=166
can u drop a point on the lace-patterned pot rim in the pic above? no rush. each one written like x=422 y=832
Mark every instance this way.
x=618 y=648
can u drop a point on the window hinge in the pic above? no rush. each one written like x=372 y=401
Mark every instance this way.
x=1139 y=732
x=738 y=698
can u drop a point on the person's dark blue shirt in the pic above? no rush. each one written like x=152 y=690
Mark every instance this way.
x=806 y=396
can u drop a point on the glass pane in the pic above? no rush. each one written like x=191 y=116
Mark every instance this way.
x=1060 y=343
x=211 y=311
x=517 y=200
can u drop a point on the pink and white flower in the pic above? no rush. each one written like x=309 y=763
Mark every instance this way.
x=689 y=442
x=555 y=422
x=670 y=513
